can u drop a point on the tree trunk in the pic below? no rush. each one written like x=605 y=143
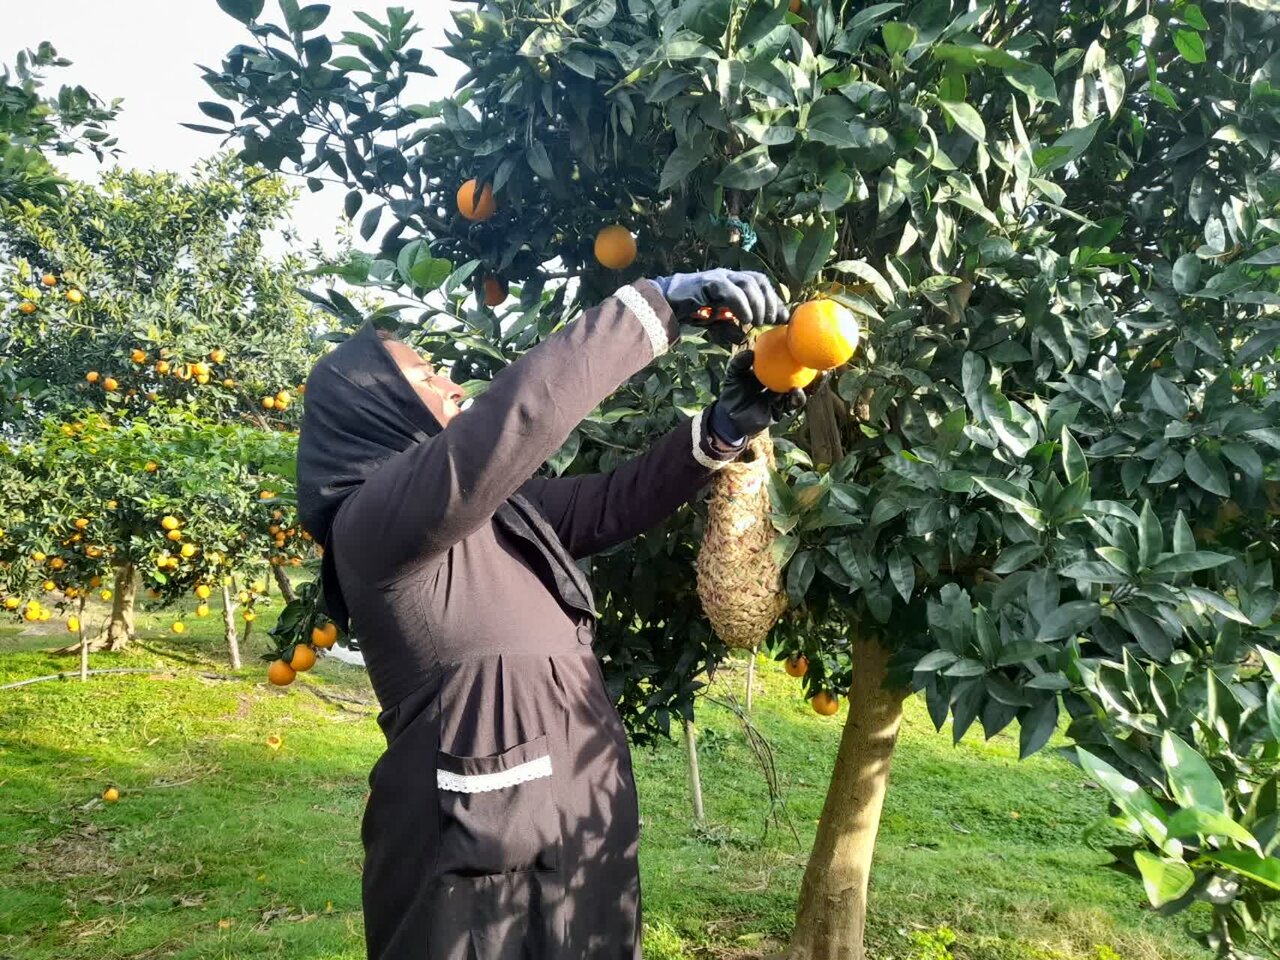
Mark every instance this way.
x=751 y=681
x=120 y=630
x=229 y=625
x=832 y=910
x=286 y=586
x=84 y=647
x=695 y=776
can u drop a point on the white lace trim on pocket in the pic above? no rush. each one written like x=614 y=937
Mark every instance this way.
x=634 y=301
x=699 y=434
x=534 y=769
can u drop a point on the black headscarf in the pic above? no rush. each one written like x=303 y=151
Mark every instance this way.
x=359 y=412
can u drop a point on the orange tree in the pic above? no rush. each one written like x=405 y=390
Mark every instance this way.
x=34 y=124
x=187 y=503
x=1040 y=488
x=150 y=297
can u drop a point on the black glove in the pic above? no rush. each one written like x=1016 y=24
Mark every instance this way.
x=747 y=407
x=705 y=297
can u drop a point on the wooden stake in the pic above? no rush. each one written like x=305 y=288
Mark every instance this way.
x=695 y=777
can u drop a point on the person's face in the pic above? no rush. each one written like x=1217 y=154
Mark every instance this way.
x=441 y=395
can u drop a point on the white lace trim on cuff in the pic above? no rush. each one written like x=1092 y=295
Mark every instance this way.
x=484 y=782
x=634 y=301
x=699 y=433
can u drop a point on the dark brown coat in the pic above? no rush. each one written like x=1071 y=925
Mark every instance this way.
x=502 y=822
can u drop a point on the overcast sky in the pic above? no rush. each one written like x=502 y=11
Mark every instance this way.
x=146 y=52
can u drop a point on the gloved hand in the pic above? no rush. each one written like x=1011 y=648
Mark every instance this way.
x=702 y=297
x=747 y=407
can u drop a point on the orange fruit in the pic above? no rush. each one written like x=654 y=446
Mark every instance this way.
x=73 y=623
x=822 y=334
x=75 y=296
x=137 y=356
x=283 y=399
x=183 y=371
x=268 y=403
x=304 y=658
x=476 y=209
x=218 y=355
x=170 y=522
x=26 y=306
x=281 y=674
x=202 y=379
x=228 y=383
x=203 y=591
x=325 y=636
x=615 y=247
x=93 y=376
x=825 y=704
x=775 y=367
x=795 y=6
x=57 y=563
x=162 y=367
x=80 y=523
x=200 y=369
x=188 y=550
x=249 y=616
x=110 y=385
x=49 y=280
x=495 y=291
x=95 y=582
x=179 y=627
x=111 y=794
x=202 y=610
x=797 y=666
x=174 y=535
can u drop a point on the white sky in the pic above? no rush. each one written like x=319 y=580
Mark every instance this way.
x=146 y=52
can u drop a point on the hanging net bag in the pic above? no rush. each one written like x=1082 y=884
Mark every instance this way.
x=739 y=581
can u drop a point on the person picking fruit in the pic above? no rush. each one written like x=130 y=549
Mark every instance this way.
x=504 y=809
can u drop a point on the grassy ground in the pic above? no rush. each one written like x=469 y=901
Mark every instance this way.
x=221 y=847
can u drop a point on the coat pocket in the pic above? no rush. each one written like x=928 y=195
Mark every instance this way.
x=498 y=813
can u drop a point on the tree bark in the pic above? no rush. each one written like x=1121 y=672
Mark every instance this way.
x=286 y=586
x=120 y=630
x=229 y=625
x=84 y=647
x=824 y=413
x=832 y=910
x=695 y=776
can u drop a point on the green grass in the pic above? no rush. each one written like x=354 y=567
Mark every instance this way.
x=223 y=848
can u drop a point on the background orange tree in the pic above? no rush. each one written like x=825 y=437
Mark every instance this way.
x=1040 y=489
x=151 y=358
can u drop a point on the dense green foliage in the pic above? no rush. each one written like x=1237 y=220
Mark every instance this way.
x=34 y=123
x=1044 y=479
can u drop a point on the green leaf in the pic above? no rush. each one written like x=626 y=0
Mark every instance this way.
x=1074 y=464
x=1169 y=399
x=312 y=16
x=1206 y=470
x=1190 y=44
x=966 y=118
x=898 y=37
x=902 y=571
x=1133 y=801
x=1191 y=780
x=1164 y=878
x=1150 y=536
x=749 y=171
x=1035 y=81
x=1202 y=822
x=540 y=161
x=369 y=222
x=1069 y=620
x=814 y=250
x=1017 y=557
x=1245 y=458
x=245 y=11
x=1265 y=870
x=763 y=77
x=1191 y=562
x=351 y=205
x=683 y=161
x=1036 y=726
x=219 y=111
x=1192 y=16
x=1186 y=273
x=866 y=272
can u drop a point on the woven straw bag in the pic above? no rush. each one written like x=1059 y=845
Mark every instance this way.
x=739 y=581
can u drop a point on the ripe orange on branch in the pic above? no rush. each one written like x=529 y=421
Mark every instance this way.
x=476 y=208
x=825 y=704
x=26 y=306
x=49 y=280
x=797 y=666
x=324 y=637
x=775 y=367
x=75 y=296
x=495 y=291
x=615 y=247
x=281 y=674
x=822 y=334
x=304 y=658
